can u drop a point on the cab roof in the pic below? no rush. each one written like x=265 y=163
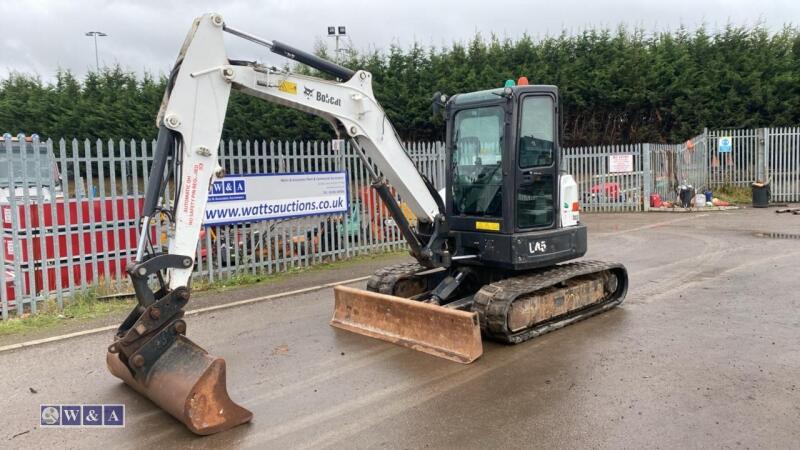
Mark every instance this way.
x=490 y=94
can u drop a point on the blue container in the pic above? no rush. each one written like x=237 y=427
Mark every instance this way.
x=709 y=197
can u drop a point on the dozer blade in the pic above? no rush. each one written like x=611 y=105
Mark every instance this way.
x=443 y=332
x=189 y=384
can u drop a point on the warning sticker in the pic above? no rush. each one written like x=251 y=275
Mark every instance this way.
x=288 y=87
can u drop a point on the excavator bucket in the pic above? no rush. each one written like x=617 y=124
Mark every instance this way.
x=189 y=384
x=439 y=331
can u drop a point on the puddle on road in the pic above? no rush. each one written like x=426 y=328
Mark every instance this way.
x=763 y=234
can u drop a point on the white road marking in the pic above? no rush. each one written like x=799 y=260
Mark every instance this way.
x=193 y=312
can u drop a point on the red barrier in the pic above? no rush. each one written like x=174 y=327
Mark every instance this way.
x=102 y=209
x=120 y=240
x=87 y=222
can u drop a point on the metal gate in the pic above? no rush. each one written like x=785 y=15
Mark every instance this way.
x=783 y=162
x=600 y=189
x=674 y=164
x=740 y=166
x=760 y=154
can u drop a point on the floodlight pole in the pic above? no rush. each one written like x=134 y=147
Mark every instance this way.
x=337 y=32
x=96 y=57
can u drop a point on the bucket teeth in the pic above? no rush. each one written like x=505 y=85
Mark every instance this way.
x=436 y=330
x=189 y=384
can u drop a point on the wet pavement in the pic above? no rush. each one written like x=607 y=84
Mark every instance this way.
x=703 y=353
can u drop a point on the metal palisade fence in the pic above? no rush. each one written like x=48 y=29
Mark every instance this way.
x=783 y=163
x=674 y=164
x=762 y=154
x=742 y=166
x=69 y=210
x=603 y=189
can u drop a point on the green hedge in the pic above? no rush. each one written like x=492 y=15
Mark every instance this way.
x=617 y=86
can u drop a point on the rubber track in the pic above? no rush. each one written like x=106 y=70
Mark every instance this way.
x=384 y=279
x=493 y=301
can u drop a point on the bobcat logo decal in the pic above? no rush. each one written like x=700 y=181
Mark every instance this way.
x=309 y=93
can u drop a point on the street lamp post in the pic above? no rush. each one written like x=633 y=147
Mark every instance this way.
x=337 y=32
x=95 y=34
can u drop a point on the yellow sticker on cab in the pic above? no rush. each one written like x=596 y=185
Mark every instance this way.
x=487 y=226
x=288 y=87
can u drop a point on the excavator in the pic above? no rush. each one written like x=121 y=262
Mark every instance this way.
x=491 y=249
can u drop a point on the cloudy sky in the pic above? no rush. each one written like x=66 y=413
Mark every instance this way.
x=40 y=36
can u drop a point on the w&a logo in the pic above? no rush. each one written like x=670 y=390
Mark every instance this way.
x=81 y=416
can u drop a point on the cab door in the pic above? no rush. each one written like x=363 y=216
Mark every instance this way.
x=477 y=169
x=536 y=163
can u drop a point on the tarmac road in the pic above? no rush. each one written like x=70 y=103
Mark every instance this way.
x=703 y=353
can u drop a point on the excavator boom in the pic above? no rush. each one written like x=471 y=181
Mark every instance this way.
x=151 y=351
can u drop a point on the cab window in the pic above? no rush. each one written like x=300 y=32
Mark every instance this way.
x=536 y=132
x=477 y=162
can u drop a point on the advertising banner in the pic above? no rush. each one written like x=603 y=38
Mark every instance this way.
x=256 y=197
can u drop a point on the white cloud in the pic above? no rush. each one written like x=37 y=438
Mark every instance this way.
x=43 y=35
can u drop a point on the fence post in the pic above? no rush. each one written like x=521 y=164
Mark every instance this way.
x=3 y=274
x=341 y=165
x=766 y=153
x=16 y=231
x=7 y=238
x=709 y=157
x=647 y=176
x=761 y=154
